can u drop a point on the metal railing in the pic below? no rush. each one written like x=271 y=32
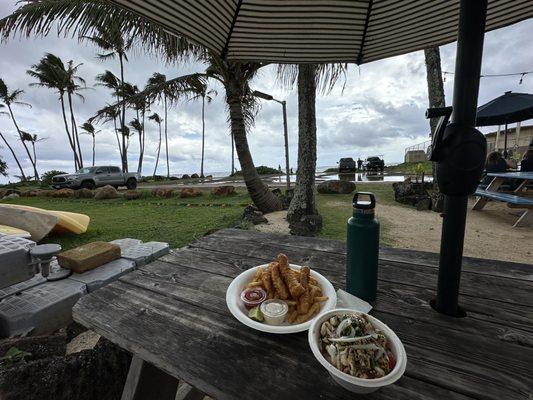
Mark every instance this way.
x=420 y=146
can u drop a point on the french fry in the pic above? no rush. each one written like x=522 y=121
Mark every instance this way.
x=291 y=303
x=305 y=317
x=266 y=279
x=313 y=281
x=254 y=284
x=292 y=317
x=320 y=299
x=315 y=291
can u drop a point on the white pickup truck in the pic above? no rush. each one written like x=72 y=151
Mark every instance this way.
x=93 y=177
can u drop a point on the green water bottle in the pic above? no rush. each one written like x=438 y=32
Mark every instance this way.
x=362 y=244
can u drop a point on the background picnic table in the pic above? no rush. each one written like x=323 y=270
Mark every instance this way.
x=172 y=313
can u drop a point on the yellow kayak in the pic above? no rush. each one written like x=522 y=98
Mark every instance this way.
x=66 y=221
x=12 y=231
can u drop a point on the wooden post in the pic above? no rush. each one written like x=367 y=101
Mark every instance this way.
x=497 y=138
x=146 y=382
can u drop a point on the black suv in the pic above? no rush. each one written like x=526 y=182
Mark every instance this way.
x=374 y=164
x=347 y=165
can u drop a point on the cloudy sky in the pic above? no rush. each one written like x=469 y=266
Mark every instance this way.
x=380 y=111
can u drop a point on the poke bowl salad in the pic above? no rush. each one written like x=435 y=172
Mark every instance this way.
x=359 y=351
x=279 y=297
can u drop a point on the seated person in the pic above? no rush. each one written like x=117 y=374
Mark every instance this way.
x=495 y=163
x=526 y=165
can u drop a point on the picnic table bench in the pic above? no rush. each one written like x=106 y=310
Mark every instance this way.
x=171 y=314
x=516 y=200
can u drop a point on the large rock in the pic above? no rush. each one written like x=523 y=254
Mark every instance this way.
x=190 y=192
x=64 y=193
x=195 y=176
x=336 y=187
x=7 y=192
x=11 y=196
x=412 y=193
x=162 y=192
x=185 y=176
x=132 y=194
x=223 y=191
x=106 y=192
x=252 y=215
x=308 y=225
x=84 y=193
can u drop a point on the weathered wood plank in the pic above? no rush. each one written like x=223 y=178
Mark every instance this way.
x=503 y=318
x=460 y=353
x=470 y=265
x=146 y=382
x=483 y=286
x=217 y=354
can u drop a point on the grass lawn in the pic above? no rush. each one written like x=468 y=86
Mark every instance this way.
x=179 y=221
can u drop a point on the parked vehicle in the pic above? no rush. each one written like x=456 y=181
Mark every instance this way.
x=347 y=165
x=93 y=177
x=374 y=164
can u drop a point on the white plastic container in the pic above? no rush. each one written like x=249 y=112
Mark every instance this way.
x=349 y=382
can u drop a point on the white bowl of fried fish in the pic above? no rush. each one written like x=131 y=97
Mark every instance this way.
x=326 y=299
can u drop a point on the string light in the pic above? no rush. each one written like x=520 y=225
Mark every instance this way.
x=521 y=74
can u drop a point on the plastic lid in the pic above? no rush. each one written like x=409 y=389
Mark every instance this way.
x=360 y=204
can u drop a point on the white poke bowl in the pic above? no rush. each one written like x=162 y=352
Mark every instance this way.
x=239 y=311
x=349 y=382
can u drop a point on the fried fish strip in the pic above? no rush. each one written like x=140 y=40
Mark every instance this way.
x=312 y=311
x=304 y=301
x=292 y=317
x=266 y=280
x=315 y=291
x=281 y=289
x=295 y=288
x=257 y=275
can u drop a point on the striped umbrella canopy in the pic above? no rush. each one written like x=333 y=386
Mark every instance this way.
x=319 y=31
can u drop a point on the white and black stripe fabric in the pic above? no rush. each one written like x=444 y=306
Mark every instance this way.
x=319 y=31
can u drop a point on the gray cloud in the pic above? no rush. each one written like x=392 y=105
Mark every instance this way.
x=380 y=111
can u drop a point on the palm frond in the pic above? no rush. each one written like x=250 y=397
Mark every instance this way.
x=85 y=18
x=327 y=76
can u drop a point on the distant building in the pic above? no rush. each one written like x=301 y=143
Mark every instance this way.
x=418 y=152
x=517 y=144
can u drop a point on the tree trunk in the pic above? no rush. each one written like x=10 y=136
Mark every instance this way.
x=436 y=99
x=158 y=150
x=123 y=118
x=118 y=139
x=232 y=154
x=94 y=147
x=203 y=137
x=75 y=131
x=166 y=137
x=32 y=160
x=303 y=202
x=76 y=162
x=14 y=156
x=262 y=197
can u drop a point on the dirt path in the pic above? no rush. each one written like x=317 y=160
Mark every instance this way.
x=489 y=233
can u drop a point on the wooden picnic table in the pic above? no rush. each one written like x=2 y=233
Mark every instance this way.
x=518 y=198
x=172 y=314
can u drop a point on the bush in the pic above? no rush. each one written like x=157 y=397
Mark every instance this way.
x=46 y=177
x=261 y=170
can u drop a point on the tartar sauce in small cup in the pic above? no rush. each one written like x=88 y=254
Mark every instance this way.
x=274 y=311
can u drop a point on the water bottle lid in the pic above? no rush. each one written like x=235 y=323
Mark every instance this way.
x=360 y=204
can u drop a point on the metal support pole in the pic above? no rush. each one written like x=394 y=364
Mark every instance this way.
x=465 y=96
x=505 y=142
x=287 y=167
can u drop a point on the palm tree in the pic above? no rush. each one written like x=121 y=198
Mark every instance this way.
x=139 y=105
x=111 y=40
x=10 y=98
x=75 y=83
x=436 y=99
x=89 y=129
x=13 y=154
x=205 y=95
x=52 y=74
x=40 y=17
x=157 y=119
x=138 y=126
x=309 y=78
x=159 y=80
x=33 y=139
x=112 y=82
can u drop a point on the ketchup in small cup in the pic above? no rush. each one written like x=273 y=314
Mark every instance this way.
x=252 y=297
